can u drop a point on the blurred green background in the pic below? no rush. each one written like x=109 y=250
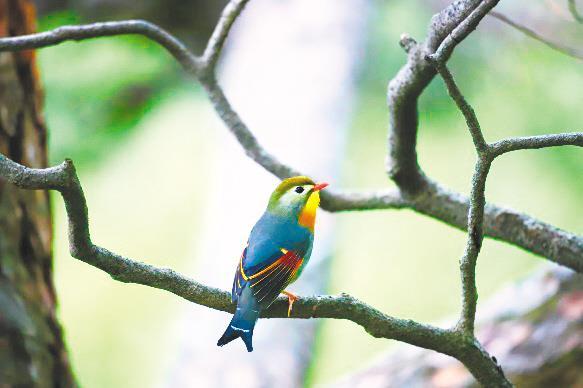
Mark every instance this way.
x=124 y=111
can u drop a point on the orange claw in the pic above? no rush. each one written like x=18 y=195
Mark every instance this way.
x=291 y=298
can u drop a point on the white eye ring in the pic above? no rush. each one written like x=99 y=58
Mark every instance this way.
x=299 y=189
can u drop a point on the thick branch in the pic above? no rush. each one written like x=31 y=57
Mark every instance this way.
x=572 y=52
x=63 y=178
x=406 y=87
x=335 y=200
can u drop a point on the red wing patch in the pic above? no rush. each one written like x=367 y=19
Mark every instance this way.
x=270 y=281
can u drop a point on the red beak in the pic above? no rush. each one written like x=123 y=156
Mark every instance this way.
x=320 y=186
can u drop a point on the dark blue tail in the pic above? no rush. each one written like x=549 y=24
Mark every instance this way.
x=234 y=330
x=243 y=321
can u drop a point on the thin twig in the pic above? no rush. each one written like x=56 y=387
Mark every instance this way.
x=535 y=142
x=473 y=246
x=477 y=199
x=465 y=108
x=243 y=134
x=176 y=48
x=217 y=40
x=572 y=52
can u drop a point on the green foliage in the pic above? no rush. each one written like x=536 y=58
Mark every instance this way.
x=98 y=91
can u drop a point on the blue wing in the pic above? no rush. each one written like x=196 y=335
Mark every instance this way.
x=270 y=279
x=272 y=259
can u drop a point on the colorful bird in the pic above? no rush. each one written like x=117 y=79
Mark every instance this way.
x=278 y=249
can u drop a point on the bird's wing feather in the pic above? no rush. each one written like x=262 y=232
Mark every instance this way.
x=268 y=278
x=272 y=259
x=270 y=281
x=239 y=281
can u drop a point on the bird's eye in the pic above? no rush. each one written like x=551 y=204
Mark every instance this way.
x=299 y=189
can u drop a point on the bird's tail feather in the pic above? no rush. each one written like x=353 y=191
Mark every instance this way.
x=234 y=332
x=243 y=321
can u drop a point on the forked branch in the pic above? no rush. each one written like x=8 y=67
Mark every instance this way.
x=518 y=229
x=415 y=190
x=486 y=153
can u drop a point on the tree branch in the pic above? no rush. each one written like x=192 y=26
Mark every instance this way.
x=217 y=40
x=486 y=153
x=535 y=142
x=448 y=28
x=243 y=134
x=457 y=96
x=475 y=220
x=63 y=178
x=473 y=245
x=405 y=88
x=523 y=231
x=572 y=52
x=463 y=29
x=177 y=49
x=504 y=224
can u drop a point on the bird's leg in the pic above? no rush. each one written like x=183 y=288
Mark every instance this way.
x=291 y=298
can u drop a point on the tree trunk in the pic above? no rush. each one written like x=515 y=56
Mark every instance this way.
x=32 y=352
x=534 y=328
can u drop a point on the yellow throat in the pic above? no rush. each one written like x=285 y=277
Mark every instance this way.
x=307 y=217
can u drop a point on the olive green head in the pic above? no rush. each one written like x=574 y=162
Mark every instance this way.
x=297 y=197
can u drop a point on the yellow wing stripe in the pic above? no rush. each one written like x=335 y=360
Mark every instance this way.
x=264 y=277
x=284 y=251
x=241 y=268
x=290 y=278
x=275 y=263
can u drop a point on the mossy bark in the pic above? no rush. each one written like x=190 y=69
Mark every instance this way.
x=32 y=353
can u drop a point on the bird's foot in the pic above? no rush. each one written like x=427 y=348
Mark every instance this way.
x=291 y=298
